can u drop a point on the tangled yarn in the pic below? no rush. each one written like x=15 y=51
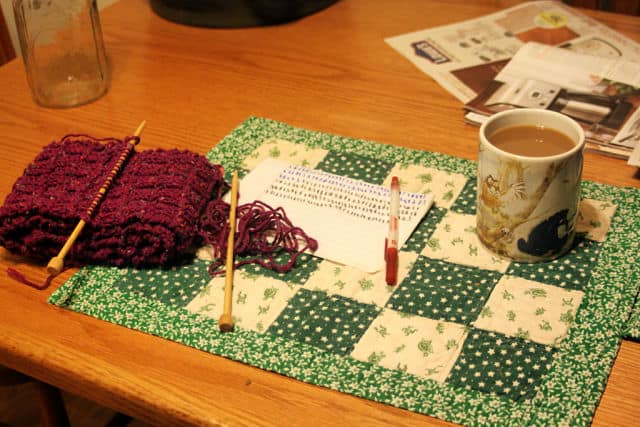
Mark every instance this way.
x=263 y=234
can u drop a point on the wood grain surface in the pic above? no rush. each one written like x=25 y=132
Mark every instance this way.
x=330 y=72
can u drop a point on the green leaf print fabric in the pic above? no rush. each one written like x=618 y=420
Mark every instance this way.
x=465 y=336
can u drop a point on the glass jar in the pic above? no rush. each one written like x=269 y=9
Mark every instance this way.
x=63 y=51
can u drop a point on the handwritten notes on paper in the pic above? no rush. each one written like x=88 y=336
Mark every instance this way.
x=348 y=217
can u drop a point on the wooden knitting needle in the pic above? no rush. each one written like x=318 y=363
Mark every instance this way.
x=226 y=320
x=56 y=264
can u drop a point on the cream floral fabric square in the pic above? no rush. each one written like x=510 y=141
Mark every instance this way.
x=444 y=186
x=530 y=310
x=353 y=283
x=418 y=345
x=594 y=218
x=454 y=240
x=286 y=151
x=257 y=300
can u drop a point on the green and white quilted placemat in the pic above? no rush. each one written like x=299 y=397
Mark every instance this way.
x=633 y=325
x=465 y=336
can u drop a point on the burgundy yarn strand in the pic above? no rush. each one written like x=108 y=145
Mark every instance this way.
x=263 y=233
x=16 y=275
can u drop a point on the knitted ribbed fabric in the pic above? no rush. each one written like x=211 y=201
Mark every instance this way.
x=148 y=217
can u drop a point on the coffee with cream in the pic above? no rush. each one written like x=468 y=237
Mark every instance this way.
x=531 y=141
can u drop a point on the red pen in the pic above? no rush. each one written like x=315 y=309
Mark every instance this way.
x=391 y=243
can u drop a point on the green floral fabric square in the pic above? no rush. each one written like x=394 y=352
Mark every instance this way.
x=351 y=165
x=305 y=266
x=420 y=236
x=176 y=286
x=330 y=322
x=571 y=271
x=499 y=365
x=466 y=202
x=444 y=291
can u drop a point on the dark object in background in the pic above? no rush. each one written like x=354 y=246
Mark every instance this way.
x=236 y=13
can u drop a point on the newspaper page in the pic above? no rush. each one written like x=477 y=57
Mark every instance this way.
x=601 y=94
x=634 y=159
x=465 y=57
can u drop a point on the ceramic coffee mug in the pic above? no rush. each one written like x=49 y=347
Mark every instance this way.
x=527 y=206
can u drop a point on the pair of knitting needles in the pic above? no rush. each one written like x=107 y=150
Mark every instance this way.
x=56 y=264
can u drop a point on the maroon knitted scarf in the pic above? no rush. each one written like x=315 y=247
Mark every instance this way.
x=160 y=208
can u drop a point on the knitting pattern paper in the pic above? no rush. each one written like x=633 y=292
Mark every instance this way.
x=349 y=218
x=465 y=336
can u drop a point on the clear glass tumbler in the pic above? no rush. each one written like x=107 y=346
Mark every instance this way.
x=63 y=51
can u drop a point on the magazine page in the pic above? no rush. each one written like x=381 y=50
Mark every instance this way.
x=465 y=57
x=634 y=159
x=601 y=94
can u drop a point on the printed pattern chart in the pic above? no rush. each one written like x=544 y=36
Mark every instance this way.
x=465 y=336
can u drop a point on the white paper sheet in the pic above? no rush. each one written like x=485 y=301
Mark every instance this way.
x=348 y=218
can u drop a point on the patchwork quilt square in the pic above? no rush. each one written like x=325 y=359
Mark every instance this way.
x=444 y=291
x=594 y=218
x=355 y=166
x=420 y=236
x=445 y=186
x=176 y=286
x=305 y=265
x=499 y=365
x=420 y=346
x=571 y=271
x=455 y=240
x=297 y=154
x=330 y=322
x=466 y=202
x=353 y=283
x=256 y=303
x=530 y=310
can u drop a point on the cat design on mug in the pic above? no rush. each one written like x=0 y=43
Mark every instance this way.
x=496 y=192
x=549 y=236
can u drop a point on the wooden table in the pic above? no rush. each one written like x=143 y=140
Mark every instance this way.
x=330 y=72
